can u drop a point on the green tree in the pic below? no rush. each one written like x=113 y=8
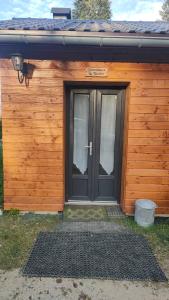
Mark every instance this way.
x=165 y=11
x=92 y=9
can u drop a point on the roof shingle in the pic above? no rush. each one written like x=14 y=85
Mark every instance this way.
x=158 y=27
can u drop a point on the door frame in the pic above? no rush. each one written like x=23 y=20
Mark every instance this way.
x=121 y=89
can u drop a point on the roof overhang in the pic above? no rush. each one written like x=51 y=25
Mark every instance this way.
x=130 y=47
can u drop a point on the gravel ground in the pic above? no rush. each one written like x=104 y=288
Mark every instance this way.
x=94 y=226
x=14 y=286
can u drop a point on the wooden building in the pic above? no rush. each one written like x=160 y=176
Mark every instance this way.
x=89 y=119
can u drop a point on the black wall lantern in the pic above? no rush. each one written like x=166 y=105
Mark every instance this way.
x=20 y=66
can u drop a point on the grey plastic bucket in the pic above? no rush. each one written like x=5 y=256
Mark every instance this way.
x=144 y=212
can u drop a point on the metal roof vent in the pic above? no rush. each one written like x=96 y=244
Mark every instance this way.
x=61 y=13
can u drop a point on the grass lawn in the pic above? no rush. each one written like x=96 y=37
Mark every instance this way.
x=157 y=235
x=17 y=234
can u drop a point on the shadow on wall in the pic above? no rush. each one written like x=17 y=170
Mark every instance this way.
x=30 y=69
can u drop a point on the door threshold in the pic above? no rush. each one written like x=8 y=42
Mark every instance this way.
x=94 y=203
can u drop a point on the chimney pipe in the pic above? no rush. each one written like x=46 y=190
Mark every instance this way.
x=61 y=13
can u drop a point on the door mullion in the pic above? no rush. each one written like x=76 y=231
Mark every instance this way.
x=90 y=157
x=97 y=142
x=94 y=104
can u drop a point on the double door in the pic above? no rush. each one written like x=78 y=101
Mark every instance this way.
x=94 y=144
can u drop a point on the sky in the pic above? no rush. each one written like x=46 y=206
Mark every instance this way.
x=131 y=10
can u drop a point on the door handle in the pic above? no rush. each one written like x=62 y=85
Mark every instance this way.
x=90 y=147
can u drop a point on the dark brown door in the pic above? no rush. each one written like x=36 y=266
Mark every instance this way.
x=95 y=129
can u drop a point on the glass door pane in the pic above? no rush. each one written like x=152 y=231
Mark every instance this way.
x=81 y=123
x=107 y=135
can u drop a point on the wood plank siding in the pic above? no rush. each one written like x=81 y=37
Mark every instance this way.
x=34 y=132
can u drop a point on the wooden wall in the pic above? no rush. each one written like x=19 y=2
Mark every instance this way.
x=33 y=141
x=33 y=133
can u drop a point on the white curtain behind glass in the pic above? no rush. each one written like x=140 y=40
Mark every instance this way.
x=108 y=122
x=81 y=116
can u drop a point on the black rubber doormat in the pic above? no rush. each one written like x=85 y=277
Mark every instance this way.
x=119 y=256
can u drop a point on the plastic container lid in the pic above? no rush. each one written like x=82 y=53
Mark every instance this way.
x=147 y=204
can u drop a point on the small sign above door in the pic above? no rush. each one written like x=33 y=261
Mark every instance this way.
x=90 y=72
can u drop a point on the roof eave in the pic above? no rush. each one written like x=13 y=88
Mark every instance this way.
x=81 y=38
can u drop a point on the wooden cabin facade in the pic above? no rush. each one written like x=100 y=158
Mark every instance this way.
x=85 y=130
